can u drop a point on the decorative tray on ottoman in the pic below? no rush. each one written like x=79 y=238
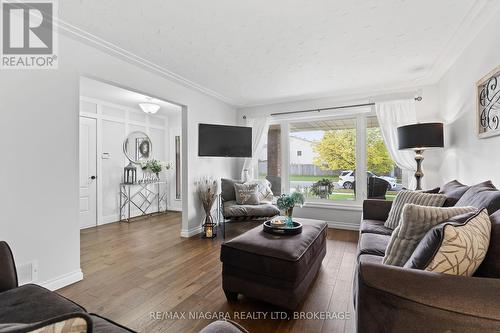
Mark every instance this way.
x=284 y=229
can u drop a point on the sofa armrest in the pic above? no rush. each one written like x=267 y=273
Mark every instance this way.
x=405 y=296
x=8 y=273
x=376 y=209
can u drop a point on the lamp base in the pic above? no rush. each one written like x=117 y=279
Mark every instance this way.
x=419 y=157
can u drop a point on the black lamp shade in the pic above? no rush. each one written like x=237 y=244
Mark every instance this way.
x=421 y=136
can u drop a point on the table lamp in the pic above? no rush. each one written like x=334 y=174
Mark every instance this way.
x=419 y=137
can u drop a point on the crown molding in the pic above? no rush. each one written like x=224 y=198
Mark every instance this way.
x=480 y=14
x=85 y=37
x=349 y=95
x=472 y=24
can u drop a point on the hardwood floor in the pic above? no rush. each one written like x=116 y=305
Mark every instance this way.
x=134 y=270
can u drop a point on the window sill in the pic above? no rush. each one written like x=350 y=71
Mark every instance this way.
x=354 y=206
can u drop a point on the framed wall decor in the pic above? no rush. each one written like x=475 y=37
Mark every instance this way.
x=488 y=104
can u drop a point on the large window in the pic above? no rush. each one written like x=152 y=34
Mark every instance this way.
x=320 y=157
x=325 y=167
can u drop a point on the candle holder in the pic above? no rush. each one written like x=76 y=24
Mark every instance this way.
x=130 y=174
x=209 y=230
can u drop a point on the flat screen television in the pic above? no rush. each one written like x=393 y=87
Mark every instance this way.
x=224 y=141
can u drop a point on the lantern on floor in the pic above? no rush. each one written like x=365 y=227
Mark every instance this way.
x=130 y=174
x=209 y=230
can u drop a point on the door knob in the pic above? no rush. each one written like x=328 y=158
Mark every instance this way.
x=92 y=177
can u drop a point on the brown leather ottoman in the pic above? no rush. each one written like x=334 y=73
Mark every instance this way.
x=273 y=268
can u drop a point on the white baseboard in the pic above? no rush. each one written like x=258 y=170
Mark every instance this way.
x=109 y=219
x=343 y=225
x=191 y=232
x=63 y=280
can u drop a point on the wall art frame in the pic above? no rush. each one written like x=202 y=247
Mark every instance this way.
x=488 y=105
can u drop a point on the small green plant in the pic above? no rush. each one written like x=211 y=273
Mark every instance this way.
x=154 y=166
x=287 y=201
x=323 y=188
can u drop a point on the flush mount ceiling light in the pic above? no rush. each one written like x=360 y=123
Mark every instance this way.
x=149 y=107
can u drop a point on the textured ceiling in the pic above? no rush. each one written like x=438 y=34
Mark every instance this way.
x=256 y=52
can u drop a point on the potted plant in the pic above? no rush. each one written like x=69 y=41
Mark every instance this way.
x=286 y=202
x=154 y=166
x=322 y=188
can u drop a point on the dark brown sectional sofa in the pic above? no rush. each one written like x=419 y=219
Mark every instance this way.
x=30 y=307
x=395 y=299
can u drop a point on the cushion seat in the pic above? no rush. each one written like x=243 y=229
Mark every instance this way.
x=274 y=268
x=286 y=258
x=370 y=258
x=233 y=210
x=31 y=303
x=373 y=244
x=374 y=227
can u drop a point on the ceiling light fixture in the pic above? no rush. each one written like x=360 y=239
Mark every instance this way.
x=149 y=107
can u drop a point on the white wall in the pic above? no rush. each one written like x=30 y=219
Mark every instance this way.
x=39 y=135
x=467 y=158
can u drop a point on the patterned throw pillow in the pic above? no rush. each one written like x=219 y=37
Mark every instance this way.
x=68 y=323
x=415 y=222
x=264 y=190
x=457 y=246
x=246 y=194
x=411 y=197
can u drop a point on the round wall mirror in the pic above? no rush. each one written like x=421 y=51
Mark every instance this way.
x=138 y=147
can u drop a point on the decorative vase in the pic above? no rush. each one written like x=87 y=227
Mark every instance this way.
x=289 y=213
x=158 y=176
x=246 y=175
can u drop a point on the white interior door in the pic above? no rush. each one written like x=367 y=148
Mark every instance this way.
x=88 y=167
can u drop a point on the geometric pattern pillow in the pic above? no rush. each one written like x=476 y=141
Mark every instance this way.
x=246 y=194
x=411 y=197
x=263 y=190
x=416 y=221
x=68 y=323
x=462 y=247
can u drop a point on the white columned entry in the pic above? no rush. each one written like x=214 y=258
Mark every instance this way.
x=285 y=157
x=361 y=177
x=88 y=168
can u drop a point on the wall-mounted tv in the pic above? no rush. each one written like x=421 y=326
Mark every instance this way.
x=224 y=141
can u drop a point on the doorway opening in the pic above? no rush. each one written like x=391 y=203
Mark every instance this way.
x=120 y=127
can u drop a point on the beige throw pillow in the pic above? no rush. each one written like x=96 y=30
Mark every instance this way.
x=463 y=246
x=415 y=222
x=246 y=194
x=411 y=197
x=263 y=190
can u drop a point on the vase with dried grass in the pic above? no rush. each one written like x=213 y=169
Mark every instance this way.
x=207 y=192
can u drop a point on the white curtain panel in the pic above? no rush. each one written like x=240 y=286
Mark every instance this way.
x=390 y=116
x=260 y=127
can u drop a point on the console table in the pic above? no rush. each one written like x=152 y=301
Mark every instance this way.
x=146 y=198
